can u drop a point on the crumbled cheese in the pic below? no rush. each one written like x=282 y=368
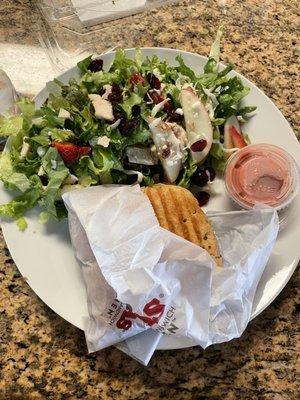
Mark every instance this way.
x=64 y=114
x=103 y=108
x=103 y=141
x=41 y=151
x=179 y=111
x=41 y=171
x=25 y=149
x=53 y=164
x=108 y=90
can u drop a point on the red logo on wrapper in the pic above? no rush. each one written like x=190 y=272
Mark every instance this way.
x=153 y=310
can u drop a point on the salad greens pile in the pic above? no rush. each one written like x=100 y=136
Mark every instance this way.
x=64 y=145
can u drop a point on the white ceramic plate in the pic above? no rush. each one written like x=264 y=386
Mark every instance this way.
x=44 y=255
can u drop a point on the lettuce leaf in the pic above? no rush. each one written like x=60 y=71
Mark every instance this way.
x=188 y=171
x=133 y=100
x=244 y=111
x=51 y=117
x=42 y=139
x=140 y=136
x=20 y=204
x=92 y=82
x=22 y=224
x=123 y=65
x=86 y=171
x=83 y=64
x=184 y=69
x=104 y=159
x=50 y=194
x=58 y=101
x=61 y=135
x=215 y=48
x=12 y=179
x=27 y=109
x=11 y=125
x=217 y=157
x=44 y=217
x=56 y=178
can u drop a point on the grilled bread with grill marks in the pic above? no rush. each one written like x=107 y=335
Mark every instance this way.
x=178 y=211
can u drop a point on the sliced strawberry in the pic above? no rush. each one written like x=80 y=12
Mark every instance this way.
x=71 y=152
x=237 y=138
x=137 y=78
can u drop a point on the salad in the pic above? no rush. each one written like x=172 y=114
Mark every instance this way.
x=142 y=121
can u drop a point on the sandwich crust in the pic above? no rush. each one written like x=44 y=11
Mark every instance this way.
x=178 y=211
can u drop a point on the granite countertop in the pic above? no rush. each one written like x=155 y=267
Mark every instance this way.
x=43 y=356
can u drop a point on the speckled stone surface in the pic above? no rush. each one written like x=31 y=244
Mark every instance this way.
x=44 y=357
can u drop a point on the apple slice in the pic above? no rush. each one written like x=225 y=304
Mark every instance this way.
x=169 y=140
x=233 y=137
x=197 y=123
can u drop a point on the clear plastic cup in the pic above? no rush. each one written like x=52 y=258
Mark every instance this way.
x=262 y=173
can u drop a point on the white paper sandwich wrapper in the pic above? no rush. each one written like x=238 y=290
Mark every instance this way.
x=143 y=281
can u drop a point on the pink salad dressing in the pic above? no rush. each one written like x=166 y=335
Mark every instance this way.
x=262 y=173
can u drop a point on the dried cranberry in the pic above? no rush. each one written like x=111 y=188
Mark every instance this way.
x=95 y=65
x=154 y=82
x=211 y=173
x=116 y=95
x=202 y=198
x=155 y=97
x=199 y=145
x=127 y=127
x=118 y=115
x=137 y=78
x=166 y=152
x=200 y=177
x=168 y=107
x=174 y=117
